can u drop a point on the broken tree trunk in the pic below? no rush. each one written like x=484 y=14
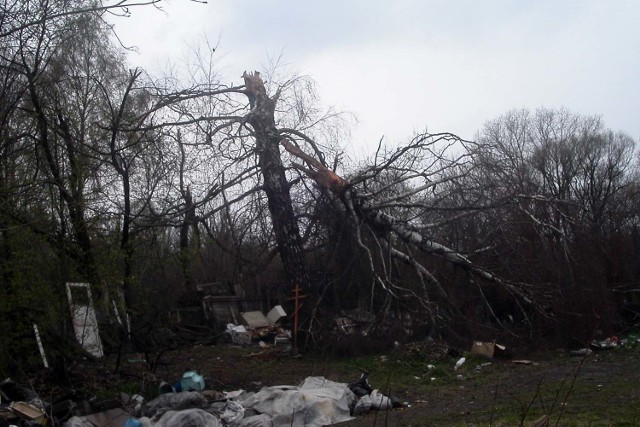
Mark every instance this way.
x=385 y=223
x=285 y=226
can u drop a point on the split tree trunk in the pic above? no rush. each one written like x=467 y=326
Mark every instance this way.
x=386 y=223
x=285 y=226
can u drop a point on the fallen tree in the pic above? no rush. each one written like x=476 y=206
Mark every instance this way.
x=367 y=212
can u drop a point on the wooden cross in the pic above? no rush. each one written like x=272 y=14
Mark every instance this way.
x=296 y=298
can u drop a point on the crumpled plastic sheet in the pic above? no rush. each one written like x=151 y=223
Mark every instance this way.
x=363 y=406
x=262 y=420
x=233 y=413
x=316 y=402
x=173 y=401
x=379 y=401
x=185 y=418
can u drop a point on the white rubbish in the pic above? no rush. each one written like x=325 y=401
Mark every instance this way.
x=192 y=417
x=481 y=366
x=239 y=334
x=363 y=406
x=262 y=420
x=276 y=314
x=379 y=401
x=236 y=328
x=581 y=352
x=317 y=402
x=459 y=363
x=233 y=413
x=173 y=402
x=255 y=319
x=139 y=401
x=430 y=367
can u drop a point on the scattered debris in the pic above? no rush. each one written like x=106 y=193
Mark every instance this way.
x=276 y=314
x=581 y=352
x=481 y=366
x=259 y=328
x=28 y=412
x=238 y=334
x=459 y=363
x=172 y=402
x=363 y=405
x=191 y=381
x=255 y=319
x=606 y=344
x=429 y=349
x=522 y=362
x=486 y=349
x=379 y=401
x=233 y=412
x=317 y=401
x=361 y=387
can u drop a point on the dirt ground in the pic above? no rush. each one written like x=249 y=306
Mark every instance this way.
x=602 y=388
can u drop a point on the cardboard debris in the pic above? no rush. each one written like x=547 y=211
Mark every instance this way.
x=28 y=412
x=255 y=319
x=486 y=349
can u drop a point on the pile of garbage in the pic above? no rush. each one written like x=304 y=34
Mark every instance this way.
x=317 y=401
x=258 y=327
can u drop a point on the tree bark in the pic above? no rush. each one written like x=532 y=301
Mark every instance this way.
x=285 y=226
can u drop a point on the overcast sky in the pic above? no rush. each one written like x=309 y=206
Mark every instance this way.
x=403 y=66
